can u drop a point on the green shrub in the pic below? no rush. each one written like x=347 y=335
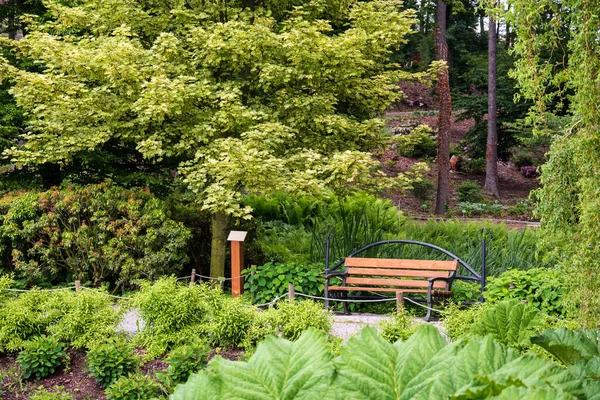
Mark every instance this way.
x=422 y=190
x=109 y=361
x=457 y=320
x=295 y=317
x=469 y=209
x=29 y=315
x=418 y=143
x=90 y=318
x=41 y=357
x=542 y=288
x=400 y=326
x=98 y=233
x=469 y=191
x=265 y=323
x=133 y=387
x=184 y=361
x=229 y=323
x=271 y=280
x=465 y=291
x=43 y=394
x=474 y=166
x=522 y=158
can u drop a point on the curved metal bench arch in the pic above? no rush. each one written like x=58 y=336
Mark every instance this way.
x=476 y=276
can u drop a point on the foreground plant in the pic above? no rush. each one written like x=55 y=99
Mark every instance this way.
x=41 y=357
x=369 y=367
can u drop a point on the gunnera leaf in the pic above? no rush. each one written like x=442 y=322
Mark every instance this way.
x=510 y=322
x=569 y=346
x=279 y=369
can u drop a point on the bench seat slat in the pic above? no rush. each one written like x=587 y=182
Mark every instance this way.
x=393 y=282
x=432 y=265
x=398 y=272
x=391 y=290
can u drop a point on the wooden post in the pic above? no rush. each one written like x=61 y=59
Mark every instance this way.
x=399 y=301
x=237 y=262
x=291 y=292
x=77 y=286
x=193 y=279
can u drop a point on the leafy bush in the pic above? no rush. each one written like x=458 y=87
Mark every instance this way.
x=81 y=319
x=369 y=367
x=271 y=280
x=133 y=387
x=229 y=322
x=470 y=209
x=174 y=313
x=184 y=361
x=465 y=291
x=98 y=233
x=422 y=189
x=458 y=320
x=474 y=166
x=522 y=158
x=43 y=394
x=109 y=361
x=295 y=317
x=400 y=326
x=469 y=191
x=41 y=357
x=418 y=143
x=542 y=288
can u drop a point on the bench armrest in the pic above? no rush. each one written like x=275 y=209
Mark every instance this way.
x=335 y=274
x=448 y=280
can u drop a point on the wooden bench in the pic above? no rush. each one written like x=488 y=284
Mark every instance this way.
x=430 y=277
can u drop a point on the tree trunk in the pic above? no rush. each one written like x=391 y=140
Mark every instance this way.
x=423 y=16
x=445 y=113
x=11 y=19
x=491 y=152
x=481 y=27
x=218 y=248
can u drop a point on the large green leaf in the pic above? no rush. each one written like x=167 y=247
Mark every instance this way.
x=371 y=368
x=279 y=370
x=570 y=346
x=510 y=322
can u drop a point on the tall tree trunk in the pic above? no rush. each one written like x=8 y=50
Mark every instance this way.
x=11 y=20
x=491 y=152
x=218 y=245
x=481 y=25
x=445 y=113
x=423 y=16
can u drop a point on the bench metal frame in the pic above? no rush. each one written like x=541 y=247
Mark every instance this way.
x=336 y=271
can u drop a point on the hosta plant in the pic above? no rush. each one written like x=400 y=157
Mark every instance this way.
x=109 y=361
x=41 y=357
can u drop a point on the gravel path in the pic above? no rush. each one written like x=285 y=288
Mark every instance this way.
x=343 y=326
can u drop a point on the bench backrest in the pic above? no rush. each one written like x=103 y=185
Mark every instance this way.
x=382 y=271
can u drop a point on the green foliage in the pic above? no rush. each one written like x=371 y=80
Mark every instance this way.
x=295 y=317
x=465 y=291
x=57 y=394
x=542 y=288
x=369 y=367
x=474 y=166
x=241 y=82
x=109 y=361
x=470 y=209
x=80 y=319
x=133 y=387
x=469 y=191
x=400 y=326
x=184 y=361
x=419 y=143
x=569 y=346
x=422 y=189
x=41 y=357
x=229 y=322
x=99 y=233
x=271 y=280
x=510 y=322
x=458 y=320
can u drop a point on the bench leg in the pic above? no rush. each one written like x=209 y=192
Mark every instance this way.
x=429 y=305
x=345 y=297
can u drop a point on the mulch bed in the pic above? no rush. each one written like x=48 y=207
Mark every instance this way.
x=75 y=380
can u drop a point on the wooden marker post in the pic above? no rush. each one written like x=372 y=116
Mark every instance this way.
x=237 y=261
x=193 y=277
x=399 y=301
x=77 y=286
